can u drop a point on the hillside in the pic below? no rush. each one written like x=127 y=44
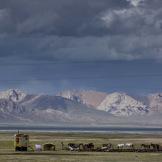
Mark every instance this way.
x=79 y=108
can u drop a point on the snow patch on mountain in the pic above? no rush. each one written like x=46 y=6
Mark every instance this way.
x=155 y=102
x=88 y=97
x=13 y=95
x=73 y=95
x=120 y=104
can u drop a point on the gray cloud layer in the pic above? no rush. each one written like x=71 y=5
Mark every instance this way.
x=87 y=30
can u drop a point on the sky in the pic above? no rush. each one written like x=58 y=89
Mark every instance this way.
x=48 y=46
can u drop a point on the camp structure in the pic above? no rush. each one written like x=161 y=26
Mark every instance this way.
x=21 y=142
x=38 y=147
x=48 y=147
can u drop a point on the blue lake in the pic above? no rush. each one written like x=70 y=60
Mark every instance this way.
x=9 y=128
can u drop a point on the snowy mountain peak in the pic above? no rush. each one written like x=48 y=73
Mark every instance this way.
x=71 y=95
x=120 y=104
x=13 y=94
x=88 y=97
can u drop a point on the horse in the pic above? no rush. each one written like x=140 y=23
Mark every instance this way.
x=145 y=147
x=106 y=147
x=109 y=145
x=129 y=145
x=120 y=146
x=155 y=147
x=74 y=147
x=88 y=147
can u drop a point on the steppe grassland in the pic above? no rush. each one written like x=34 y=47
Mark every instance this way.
x=7 y=149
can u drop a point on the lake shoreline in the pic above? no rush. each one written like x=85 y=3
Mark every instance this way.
x=100 y=130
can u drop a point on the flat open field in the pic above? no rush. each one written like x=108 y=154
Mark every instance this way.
x=7 y=153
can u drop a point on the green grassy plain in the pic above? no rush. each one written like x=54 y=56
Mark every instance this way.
x=7 y=153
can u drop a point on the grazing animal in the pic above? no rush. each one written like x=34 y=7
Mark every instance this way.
x=106 y=147
x=155 y=147
x=109 y=145
x=88 y=147
x=145 y=146
x=129 y=145
x=74 y=147
x=120 y=146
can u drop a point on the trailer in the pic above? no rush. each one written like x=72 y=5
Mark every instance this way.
x=21 y=142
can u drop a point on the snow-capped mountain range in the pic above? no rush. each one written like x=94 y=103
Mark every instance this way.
x=120 y=104
x=117 y=104
x=77 y=107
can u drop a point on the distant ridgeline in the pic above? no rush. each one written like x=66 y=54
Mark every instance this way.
x=80 y=107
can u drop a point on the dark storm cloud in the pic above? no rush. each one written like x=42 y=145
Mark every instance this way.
x=88 y=30
x=56 y=17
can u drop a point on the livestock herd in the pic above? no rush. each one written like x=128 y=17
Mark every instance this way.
x=122 y=147
x=90 y=147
